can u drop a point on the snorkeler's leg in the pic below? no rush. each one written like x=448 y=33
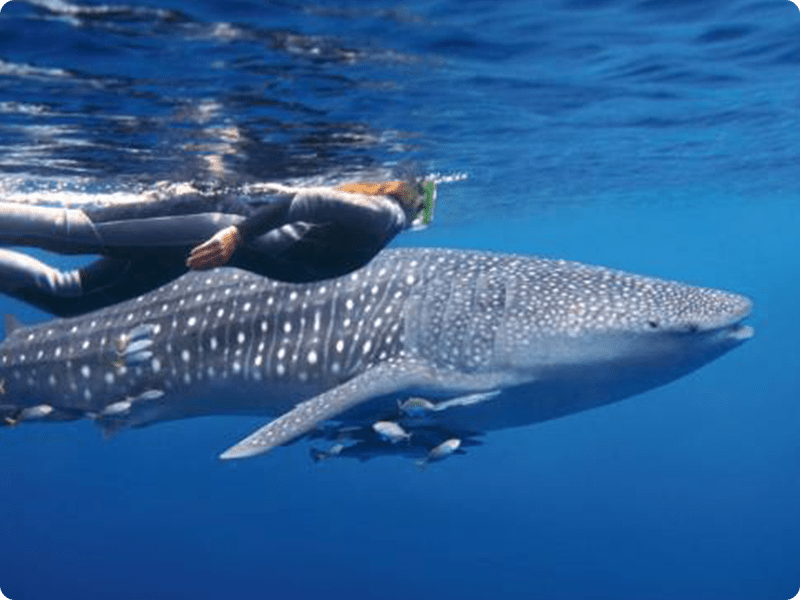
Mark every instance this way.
x=65 y=230
x=168 y=231
x=30 y=280
x=112 y=230
x=77 y=291
x=20 y=271
x=102 y=283
x=109 y=281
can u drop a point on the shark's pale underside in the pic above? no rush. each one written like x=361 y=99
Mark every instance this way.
x=492 y=340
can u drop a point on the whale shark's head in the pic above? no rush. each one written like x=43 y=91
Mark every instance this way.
x=575 y=317
x=570 y=337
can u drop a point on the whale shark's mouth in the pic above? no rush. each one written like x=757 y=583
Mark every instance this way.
x=738 y=330
x=741 y=332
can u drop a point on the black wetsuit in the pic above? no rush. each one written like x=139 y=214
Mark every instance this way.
x=298 y=237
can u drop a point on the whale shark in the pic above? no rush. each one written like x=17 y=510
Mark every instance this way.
x=484 y=341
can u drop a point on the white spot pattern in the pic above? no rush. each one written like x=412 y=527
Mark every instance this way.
x=460 y=304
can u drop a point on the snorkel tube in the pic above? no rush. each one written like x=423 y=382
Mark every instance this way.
x=425 y=215
x=427 y=206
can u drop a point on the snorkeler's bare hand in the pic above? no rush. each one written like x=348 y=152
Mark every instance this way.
x=215 y=252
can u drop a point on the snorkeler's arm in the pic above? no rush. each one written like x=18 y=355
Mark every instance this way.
x=218 y=250
x=265 y=219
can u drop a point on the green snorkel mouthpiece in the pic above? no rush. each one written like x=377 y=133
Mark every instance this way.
x=427 y=207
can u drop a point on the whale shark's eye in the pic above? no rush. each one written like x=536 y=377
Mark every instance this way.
x=653 y=324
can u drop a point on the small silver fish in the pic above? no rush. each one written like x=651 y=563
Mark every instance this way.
x=318 y=455
x=391 y=431
x=35 y=412
x=148 y=395
x=415 y=407
x=138 y=358
x=142 y=331
x=117 y=408
x=123 y=407
x=440 y=452
x=137 y=346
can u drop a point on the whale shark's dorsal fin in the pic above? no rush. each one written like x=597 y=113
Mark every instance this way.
x=382 y=379
x=11 y=323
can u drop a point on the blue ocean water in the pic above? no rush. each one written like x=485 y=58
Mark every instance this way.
x=657 y=136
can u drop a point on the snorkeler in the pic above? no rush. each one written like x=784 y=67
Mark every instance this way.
x=302 y=234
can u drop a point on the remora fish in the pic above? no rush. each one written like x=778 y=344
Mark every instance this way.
x=523 y=339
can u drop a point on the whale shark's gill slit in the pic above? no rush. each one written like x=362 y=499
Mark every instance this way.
x=329 y=327
x=270 y=337
x=252 y=333
x=386 y=315
x=348 y=334
x=298 y=353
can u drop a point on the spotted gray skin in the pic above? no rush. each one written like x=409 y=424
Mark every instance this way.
x=495 y=340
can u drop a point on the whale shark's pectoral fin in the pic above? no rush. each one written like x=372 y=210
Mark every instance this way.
x=380 y=380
